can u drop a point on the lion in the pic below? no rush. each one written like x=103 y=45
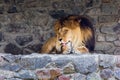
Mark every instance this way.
x=73 y=34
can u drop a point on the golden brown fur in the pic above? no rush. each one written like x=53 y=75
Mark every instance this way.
x=76 y=30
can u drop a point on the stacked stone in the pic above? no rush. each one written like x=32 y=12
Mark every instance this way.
x=60 y=67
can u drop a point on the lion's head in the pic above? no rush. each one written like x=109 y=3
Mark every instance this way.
x=75 y=29
x=64 y=35
x=68 y=31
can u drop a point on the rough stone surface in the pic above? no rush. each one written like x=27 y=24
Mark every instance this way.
x=108 y=29
x=78 y=76
x=22 y=40
x=90 y=64
x=107 y=61
x=111 y=37
x=106 y=73
x=69 y=68
x=117 y=43
x=117 y=51
x=117 y=73
x=43 y=67
x=12 y=48
x=103 y=46
x=93 y=76
x=100 y=38
x=118 y=61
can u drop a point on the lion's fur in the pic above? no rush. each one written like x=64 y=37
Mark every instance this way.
x=79 y=31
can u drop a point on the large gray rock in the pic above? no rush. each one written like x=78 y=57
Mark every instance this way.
x=103 y=46
x=34 y=61
x=106 y=73
x=13 y=49
x=108 y=29
x=117 y=51
x=26 y=74
x=78 y=76
x=8 y=74
x=86 y=64
x=117 y=43
x=117 y=73
x=93 y=76
x=111 y=37
x=23 y=40
x=107 y=61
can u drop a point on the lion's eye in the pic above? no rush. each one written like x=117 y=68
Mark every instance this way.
x=65 y=31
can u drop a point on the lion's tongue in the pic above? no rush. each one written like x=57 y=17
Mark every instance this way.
x=63 y=44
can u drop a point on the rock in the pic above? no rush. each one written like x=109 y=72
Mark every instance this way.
x=108 y=29
x=103 y=46
x=4 y=20
x=1 y=36
x=1 y=9
x=117 y=43
x=32 y=62
x=106 y=73
x=93 y=76
x=11 y=67
x=23 y=40
x=117 y=61
x=11 y=58
x=117 y=51
x=35 y=47
x=57 y=14
x=3 y=61
x=55 y=72
x=61 y=61
x=69 y=68
x=27 y=63
x=111 y=37
x=12 y=9
x=51 y=65
x=63 y=77
x=85 y=64
x=117 y=28
x=26 y=74
x=41 y=62
x=43 y=74
x=78 y=76
x=112 y=78
x=106 y=19
x=17 y=28
x=13 y=49
x=108 y=9
x=7 y=74
x=2 y=77
x=117 y=73
x=13 y=79
x=52 y=73
x=101 y=38
x=107 y=61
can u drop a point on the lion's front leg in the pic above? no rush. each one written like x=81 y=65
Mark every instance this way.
x=65 y=49
x=83 y=49
x=49 y=45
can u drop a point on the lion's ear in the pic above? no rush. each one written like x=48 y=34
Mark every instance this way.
x=56 y=26
x=79 y=20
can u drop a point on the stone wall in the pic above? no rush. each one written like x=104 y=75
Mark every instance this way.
x=26 y=24
x=60 y=67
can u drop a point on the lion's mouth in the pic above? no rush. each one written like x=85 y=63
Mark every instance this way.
x=64 y=43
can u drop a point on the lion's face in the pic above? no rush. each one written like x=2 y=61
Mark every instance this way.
x=64 y=35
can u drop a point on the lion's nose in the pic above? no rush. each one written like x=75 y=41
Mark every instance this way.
x=60 y=39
